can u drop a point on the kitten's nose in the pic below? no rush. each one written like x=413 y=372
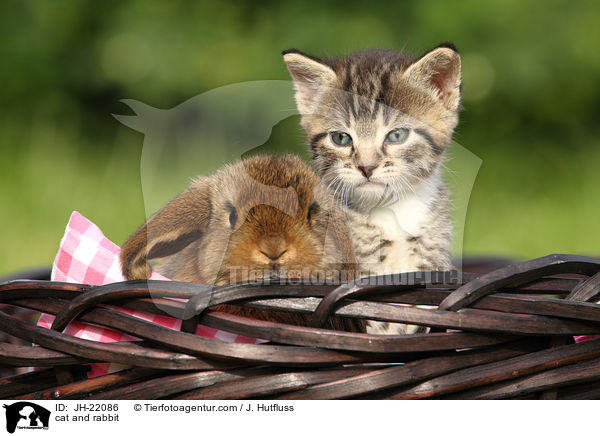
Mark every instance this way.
x=367 y=170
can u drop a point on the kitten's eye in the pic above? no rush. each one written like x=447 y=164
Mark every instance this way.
x=312 y=210
x=397 y=136
x=233 y=216
x=340 y=138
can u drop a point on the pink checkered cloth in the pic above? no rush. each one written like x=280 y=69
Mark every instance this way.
x=86 y=256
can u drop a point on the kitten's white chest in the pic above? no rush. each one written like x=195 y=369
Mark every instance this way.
x=402 y=219
x=391 y=231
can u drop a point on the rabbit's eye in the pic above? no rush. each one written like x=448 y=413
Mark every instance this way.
x=312 y=211
x=233 y=216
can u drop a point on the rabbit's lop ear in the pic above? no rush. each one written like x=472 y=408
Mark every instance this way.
x=180 y=222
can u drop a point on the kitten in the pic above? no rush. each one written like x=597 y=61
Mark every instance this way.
x=378 y=123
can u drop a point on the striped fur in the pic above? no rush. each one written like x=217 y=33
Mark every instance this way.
x=396 y=206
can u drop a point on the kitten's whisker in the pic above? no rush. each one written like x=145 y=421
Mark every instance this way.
x=406 y=183
x=339 y=189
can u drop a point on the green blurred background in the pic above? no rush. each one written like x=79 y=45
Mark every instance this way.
x=531 y=83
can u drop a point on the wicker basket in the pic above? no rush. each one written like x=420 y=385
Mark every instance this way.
x=508 y=333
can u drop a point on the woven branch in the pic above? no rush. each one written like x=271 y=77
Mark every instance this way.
x=505 y=334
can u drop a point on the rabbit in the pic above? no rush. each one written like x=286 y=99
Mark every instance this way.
x=264 y=215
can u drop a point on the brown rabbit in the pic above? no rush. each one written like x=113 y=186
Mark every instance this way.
x=262 y=215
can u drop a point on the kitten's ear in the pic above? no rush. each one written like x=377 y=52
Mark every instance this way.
x=180 y=222
x=439 y=70
x=310 y=76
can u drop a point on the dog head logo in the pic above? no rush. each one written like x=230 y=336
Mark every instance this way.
x=198 y=135
x=24 y=414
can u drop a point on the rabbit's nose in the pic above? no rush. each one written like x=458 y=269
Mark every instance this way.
x=273 y=258
x=273 y=247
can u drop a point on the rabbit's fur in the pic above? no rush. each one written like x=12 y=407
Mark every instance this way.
x=265 y=214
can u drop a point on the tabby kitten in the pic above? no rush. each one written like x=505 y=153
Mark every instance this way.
x=378 y=123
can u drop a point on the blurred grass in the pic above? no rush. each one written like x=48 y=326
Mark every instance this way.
x=42 y=184
x=531 y=98
x=535 y=204
x=524 y=207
